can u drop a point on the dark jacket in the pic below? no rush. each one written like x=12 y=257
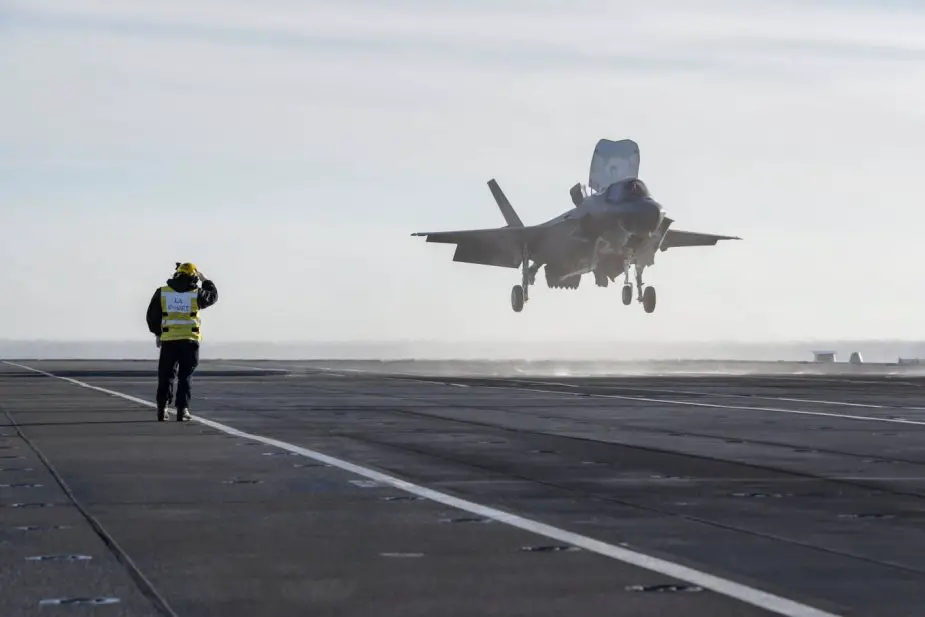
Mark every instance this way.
x=208 y=295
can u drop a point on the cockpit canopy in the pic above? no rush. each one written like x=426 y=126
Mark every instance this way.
x=633 y=188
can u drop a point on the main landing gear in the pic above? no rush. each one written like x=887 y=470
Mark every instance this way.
x=646 y=295
x=520 y=293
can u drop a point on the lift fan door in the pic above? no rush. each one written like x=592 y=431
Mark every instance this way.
x=613 y=161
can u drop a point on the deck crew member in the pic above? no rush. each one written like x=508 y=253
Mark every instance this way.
x=173 y=318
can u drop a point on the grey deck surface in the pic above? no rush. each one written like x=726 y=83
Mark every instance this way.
x=812 y=488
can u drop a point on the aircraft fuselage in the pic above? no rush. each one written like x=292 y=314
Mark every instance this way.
x=610 y=227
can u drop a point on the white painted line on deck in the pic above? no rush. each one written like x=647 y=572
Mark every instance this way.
x=732 y=395
x=842 y=416
x=252 y=368
x=509 y=386
x=432 y=381
x=744 y=593
x=645 y=399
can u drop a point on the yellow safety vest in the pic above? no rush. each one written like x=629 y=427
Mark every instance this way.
x=180 y=315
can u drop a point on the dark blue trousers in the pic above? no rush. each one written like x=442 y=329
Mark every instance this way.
x=178 y=360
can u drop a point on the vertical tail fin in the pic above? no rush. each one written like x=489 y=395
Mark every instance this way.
x=507 y=210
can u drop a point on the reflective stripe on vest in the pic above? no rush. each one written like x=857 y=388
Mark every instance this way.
x=180 y=315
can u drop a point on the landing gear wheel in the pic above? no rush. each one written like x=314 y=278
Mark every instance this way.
x=517 y=298
x=648 y=299
x=627 y=294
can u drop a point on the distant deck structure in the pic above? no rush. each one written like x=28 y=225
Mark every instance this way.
x=823 y=356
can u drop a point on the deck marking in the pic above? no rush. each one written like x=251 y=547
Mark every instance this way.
x=750 y=595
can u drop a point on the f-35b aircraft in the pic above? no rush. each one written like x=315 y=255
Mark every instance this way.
x=615 y=224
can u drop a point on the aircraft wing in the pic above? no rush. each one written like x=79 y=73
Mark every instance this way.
x=501 y=246
x=676 y=238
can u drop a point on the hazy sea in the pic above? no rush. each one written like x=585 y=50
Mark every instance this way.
x=796 y=351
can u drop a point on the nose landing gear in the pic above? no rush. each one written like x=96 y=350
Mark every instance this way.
x=517 y=298
x=645 y=294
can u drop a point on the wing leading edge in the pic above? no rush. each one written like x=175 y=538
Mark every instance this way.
x=488 y=247
x=676 y=238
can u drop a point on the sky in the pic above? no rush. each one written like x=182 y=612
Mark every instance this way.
x=289 y=149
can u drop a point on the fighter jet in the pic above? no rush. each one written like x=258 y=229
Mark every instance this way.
x=615 y=224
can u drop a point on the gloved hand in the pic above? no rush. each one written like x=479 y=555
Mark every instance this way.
x=157 y=341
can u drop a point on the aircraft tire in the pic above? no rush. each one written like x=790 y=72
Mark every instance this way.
x=648 y=299
x=627 y=294
x=517 y=298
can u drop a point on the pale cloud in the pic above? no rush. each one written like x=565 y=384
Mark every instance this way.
x=292 y=147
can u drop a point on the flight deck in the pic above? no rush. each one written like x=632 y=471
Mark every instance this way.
x=334 y=489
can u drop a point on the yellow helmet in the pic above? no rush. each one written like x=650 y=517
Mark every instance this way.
x=187 y=268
